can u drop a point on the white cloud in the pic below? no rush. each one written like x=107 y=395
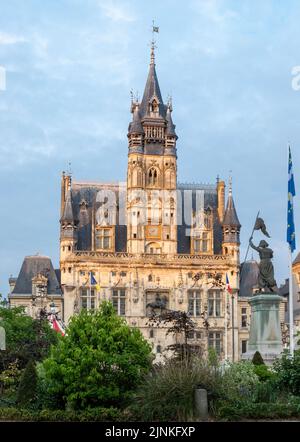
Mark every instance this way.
x=10 y=39
x=214 y=10
x=115 y=11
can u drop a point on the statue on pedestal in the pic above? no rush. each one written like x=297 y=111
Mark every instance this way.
x=266 y=281
x=265 y=330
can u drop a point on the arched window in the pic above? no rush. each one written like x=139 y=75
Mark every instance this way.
x=154 y=106
x=152 y=176
x=153 y=248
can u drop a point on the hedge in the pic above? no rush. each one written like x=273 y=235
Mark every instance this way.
x=88 y=415
x=231 y=412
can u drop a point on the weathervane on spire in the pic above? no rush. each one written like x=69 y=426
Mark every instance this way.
x=154 y=29
x=230 y=182
x=69 y=171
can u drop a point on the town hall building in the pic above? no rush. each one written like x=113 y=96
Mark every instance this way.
x=149 y=244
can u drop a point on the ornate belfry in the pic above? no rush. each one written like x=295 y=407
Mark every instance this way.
x=152 y=171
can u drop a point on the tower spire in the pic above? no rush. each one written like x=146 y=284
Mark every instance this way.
x=230 y=183
x=152 y=53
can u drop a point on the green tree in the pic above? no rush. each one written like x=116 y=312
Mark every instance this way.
x=26 y=338
x=26 y=394
x=99 y=362
x=257 y=359
x=180 y=325
x=287 y=370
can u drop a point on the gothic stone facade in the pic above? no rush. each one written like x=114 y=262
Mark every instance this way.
x=153 y=239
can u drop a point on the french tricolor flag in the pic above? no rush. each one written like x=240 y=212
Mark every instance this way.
x=229 y=289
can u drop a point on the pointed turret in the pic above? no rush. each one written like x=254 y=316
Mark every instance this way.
x=135 y=127
x=230 y=217
x=231 y=226
x=170 y=134
x=170 y=130
x=152 y=103
x=68 y=216
x=135 y=130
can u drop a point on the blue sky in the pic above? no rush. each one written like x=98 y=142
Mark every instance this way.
x=70 y=66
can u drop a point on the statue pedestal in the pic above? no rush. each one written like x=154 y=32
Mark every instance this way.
x=265 y=330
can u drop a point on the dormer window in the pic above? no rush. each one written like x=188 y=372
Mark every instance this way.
x=104 y=238
x=154 y=106
x=83 y=205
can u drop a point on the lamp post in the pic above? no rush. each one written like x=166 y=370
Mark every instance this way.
x=5 y=303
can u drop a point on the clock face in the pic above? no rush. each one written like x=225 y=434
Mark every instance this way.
x=153 y=231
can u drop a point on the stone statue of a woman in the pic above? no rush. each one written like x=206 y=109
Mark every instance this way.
x=266 y=279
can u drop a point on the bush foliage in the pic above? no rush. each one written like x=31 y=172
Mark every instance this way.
x=89 y=415
x=99 y=362
x=239 y=381
x=287 y=372
x=167 y=392
x=26 y=338
x=27 y=390
x=257 y=359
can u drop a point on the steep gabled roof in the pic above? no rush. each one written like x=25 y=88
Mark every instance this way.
x=170 y=130
x=31 y=267
x=152 y=90
x=249 y=277
x=230 y=217
x=68 y=216
x=136 y=126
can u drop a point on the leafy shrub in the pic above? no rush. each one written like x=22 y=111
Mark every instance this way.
x=89 y=415
x=266 y=392
x=26 y=394
x=263 y=372
x=246 y=410
x=167 y=393
x=99 y=362
x=9 y=378
x=26 y=338
x=239 y=381
x=257 y=359
x=287 y=372
x=46 y=398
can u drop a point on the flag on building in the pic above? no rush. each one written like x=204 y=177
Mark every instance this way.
x=56 y=324
x=94 y=282
x=58 y=327
x=291 y=238
x=228 y=288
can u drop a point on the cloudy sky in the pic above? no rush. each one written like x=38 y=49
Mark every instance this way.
x=70 y=66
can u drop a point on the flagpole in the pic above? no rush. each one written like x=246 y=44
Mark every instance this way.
x=248 y=246
x=291 y=305
x=225 y=334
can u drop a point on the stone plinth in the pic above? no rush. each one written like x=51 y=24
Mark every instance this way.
x=265 y=330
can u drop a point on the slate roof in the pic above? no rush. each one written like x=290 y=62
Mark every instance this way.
x=136 y=126
x=152 y=89
x=284 y=288
x=68 y=216
x=31 y=267
x=248 y=278
x=230 y=217
x=88 y=192
x=170 y=130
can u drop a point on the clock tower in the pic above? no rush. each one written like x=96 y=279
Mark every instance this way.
x=152 y=172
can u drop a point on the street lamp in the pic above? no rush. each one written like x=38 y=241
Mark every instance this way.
x=52 y=308
x=5 y=303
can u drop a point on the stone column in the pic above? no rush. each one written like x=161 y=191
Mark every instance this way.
x=265 y=330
